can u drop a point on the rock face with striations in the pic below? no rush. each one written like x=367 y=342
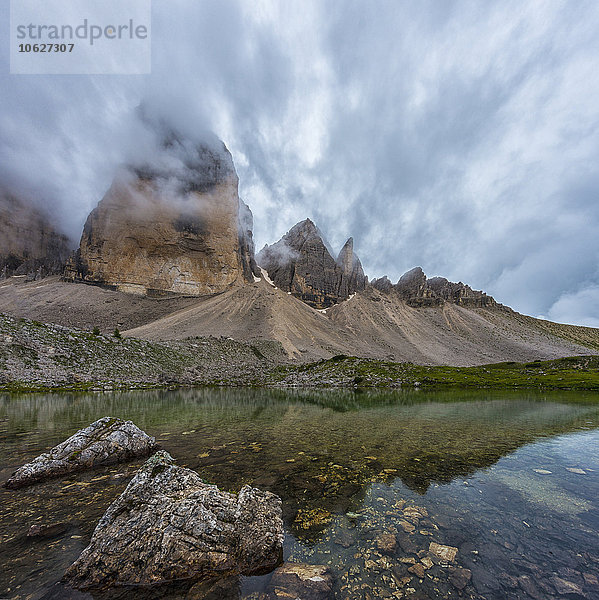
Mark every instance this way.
x=302 y=263
x=416 y=290
x=174 y=225
x=29 y=244
x=169 y=525
x=106 y=441
x=352 y=274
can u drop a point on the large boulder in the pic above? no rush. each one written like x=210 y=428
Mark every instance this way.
x=168 y=525
x=302 y=263
x=106 y=441
x=171 y=225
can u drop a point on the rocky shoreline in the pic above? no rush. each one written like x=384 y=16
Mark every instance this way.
x=38 y=357
x=172 y=535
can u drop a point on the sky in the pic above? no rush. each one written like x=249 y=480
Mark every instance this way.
x=459 y=136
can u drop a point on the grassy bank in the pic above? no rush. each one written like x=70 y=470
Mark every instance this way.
x=42 y=357
x=572 y=373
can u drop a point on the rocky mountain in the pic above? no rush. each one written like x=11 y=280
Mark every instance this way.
x=172 y=225
x=372 y=324
x=29 y=244
x=301 y=263
x=416 y=290
x=352 y=274
x=246 y=242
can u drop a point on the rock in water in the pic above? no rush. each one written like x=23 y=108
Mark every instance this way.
x=302 y=263
x=173 y=225
x=47 y=531
x=105 y=441
x=169 y=525
x=298 y=580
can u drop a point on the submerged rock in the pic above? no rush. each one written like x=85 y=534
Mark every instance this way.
x=444 y=553
x=460 y=577
x=386 y=543
x=47 y=531
x=567 y=588
x=107 y=440
x=298 y=580
x=169 y=525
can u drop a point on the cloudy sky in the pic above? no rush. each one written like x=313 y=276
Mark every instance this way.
x=459 y=136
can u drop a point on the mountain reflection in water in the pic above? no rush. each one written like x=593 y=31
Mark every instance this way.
x=327 y=454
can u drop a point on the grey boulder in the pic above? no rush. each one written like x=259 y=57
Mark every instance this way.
x=107 y=440
x=168 y=525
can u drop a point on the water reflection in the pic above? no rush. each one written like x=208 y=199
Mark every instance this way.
x=340 y=461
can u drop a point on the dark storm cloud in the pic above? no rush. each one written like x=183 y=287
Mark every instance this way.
x=459 y=136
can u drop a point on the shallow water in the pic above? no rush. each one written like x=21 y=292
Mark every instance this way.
x=486 y=473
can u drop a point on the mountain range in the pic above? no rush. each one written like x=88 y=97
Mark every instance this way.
x=168 y=254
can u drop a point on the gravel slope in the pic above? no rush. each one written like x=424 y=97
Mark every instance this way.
x=370 y=324
x=374 y=325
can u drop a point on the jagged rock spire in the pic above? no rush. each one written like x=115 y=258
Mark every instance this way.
x=302 y=263
x=353 y=278
x=416 y=290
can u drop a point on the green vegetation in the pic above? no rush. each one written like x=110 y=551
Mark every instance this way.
x=46 y=357
x=96 y=330
x=572 y=373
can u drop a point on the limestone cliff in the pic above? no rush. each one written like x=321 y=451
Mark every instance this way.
x=352 y=274
x=29 y=244
x=174 y=225
x=246 y=242
x=416 y=290
x=301 y=263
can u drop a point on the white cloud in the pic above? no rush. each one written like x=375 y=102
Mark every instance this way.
x=579 y=308
x=458 y=136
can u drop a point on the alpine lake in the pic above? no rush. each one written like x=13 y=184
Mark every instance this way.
x=373 y=485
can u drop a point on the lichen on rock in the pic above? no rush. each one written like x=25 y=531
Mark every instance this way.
x=168 y=525
x=107 y=440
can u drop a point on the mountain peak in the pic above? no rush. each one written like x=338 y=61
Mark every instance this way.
x=413 y=275
x=306 y=226
x=302 y=263
x=353 y=275
x=173 y=224
x=416 y=290
x=345 y=258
